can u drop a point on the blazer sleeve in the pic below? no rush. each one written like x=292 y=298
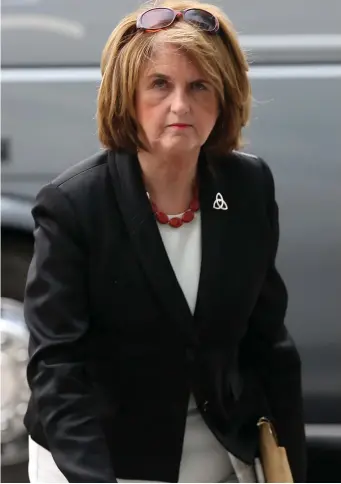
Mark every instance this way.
x=272 y=349
x=57 y=316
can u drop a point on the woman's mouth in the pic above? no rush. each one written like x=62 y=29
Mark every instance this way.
x=180 y=125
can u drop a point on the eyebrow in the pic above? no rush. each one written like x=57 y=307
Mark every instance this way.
x=158 y=74
x=167 y=78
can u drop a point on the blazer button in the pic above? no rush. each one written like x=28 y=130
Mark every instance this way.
x=205 y=406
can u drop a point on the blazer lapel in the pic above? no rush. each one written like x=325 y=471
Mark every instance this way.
x=217 y=247
x=228 y=241
x=146 y=240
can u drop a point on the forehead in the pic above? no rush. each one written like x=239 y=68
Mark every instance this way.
x=172 y=61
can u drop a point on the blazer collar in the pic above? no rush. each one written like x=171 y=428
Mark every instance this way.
x=145 y=237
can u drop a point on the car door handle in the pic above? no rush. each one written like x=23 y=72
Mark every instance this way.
x=5 y=150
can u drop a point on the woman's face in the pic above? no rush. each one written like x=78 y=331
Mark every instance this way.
x=176 y=106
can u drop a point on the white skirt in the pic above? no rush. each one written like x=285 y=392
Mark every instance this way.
x=43 y=469
x=204 y=459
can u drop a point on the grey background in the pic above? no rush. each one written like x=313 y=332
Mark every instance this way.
x=295 y=126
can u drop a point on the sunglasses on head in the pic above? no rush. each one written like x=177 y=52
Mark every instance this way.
x=160 y=18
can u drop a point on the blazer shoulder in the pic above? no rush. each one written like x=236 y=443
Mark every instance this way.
x=82 y=170
x=76 y=186
x=75 y=195
x=248 y=162
x=248 y=174
x=252 y=168
x=79 y=182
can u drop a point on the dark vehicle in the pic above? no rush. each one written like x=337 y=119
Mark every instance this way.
x=50 y=75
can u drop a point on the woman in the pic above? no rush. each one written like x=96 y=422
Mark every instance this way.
x=153 y=302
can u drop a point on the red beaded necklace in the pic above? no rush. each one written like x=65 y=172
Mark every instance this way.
x=176 y=222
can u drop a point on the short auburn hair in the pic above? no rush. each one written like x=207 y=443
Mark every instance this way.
x=218 y=56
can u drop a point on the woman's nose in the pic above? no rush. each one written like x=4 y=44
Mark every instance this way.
x=180 y=102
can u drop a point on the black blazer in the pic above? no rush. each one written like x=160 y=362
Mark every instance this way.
x=114 y=349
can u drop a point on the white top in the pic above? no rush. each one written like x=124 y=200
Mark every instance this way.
x=204 y=459
x=183 y=246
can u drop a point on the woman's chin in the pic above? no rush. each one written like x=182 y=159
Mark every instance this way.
x=179 y=145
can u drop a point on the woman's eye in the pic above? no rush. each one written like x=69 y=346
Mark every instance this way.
x=159 y=83
x=199 y=86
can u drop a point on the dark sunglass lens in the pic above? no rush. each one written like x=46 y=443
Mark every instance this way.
x=157 y=18
x=201 y=19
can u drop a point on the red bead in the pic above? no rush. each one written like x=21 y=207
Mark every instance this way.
x=188 y=216
x=175 y=222
x=194 y=205
x=162 y=217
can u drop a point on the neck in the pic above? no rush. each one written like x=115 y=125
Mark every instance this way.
x=169 y=180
